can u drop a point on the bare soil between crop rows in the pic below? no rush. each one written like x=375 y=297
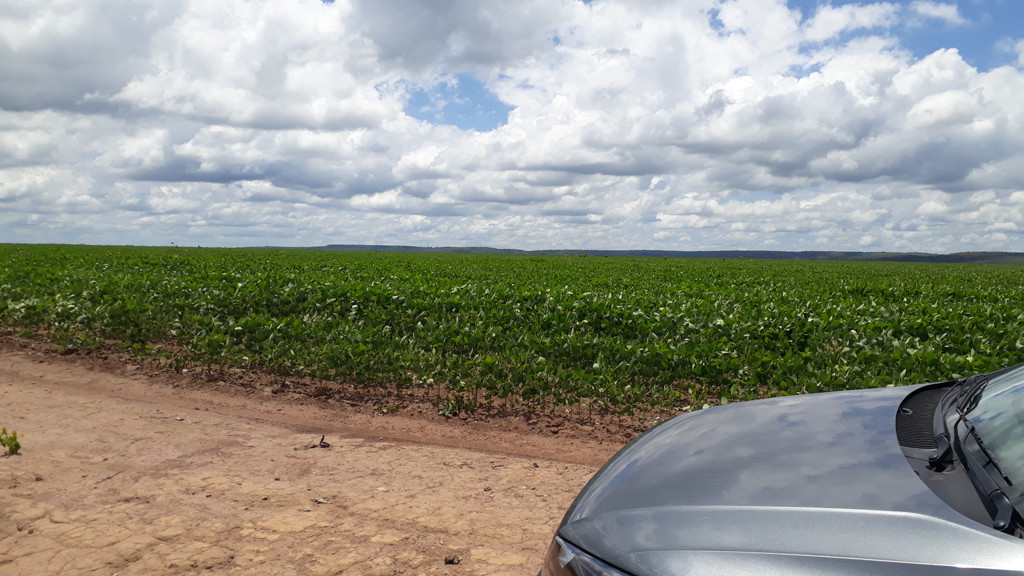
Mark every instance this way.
x=128 y=469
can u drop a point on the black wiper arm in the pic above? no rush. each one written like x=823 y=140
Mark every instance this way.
x=943 y=450
x=1004 y=510
x=969 y=392
x=986 y=484
x=943 y=454
x=979 y=463
x=984 y=449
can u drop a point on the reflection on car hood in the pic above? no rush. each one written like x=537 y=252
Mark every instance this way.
x=801 y=478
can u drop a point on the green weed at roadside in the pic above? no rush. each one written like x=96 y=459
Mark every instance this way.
x=9 y=441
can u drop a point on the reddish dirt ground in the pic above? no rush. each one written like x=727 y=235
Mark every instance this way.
x=128 y=469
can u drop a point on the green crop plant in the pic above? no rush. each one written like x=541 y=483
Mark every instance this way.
x=617 y=335
x=9 y=441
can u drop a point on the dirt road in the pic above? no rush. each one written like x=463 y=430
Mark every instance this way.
x=124 y=471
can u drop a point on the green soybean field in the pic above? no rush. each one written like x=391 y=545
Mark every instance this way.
x=609 y=335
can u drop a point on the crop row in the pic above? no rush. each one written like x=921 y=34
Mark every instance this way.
x=619 y=334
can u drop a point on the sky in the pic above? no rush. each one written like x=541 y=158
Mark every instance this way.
x=535 y=124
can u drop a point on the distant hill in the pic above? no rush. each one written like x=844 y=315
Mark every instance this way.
x=955 y=258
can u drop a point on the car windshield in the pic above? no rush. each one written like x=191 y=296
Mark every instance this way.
x=998 y=418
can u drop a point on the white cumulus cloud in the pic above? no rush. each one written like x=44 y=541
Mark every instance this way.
x=714 y=124
x=830 y=21
x=946 y=12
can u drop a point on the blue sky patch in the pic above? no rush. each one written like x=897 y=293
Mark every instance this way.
x=715 y=20
x=459 y=100
x=982 y=37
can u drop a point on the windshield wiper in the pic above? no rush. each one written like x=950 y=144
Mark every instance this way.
x=984 y=449
x=1003 y=517
x=966 y=399
x=970 y=395
x=978 y=462
x=967 y=389
x=966 y=402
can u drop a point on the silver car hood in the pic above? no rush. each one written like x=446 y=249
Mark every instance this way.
x=802 y=484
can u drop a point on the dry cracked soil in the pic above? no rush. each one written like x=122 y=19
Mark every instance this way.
x=125 y=469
